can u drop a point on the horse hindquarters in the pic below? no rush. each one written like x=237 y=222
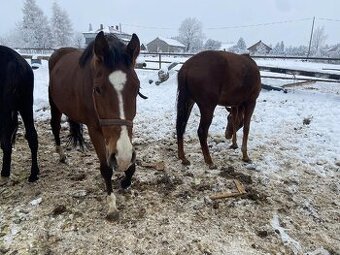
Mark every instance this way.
x=184 y=107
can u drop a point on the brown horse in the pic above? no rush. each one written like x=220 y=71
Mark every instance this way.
x=212 y=78
x=98 y=87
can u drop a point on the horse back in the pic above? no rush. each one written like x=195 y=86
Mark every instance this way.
x=55 y=57
x=223 y=77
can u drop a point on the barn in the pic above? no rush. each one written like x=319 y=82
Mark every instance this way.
x=116 y=30
x=259 y=48
x=161 y=44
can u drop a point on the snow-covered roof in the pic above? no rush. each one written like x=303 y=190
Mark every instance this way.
x=171 y=42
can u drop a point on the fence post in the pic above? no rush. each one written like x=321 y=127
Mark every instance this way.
x=160 y=60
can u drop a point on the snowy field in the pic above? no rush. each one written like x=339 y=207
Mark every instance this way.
x=294 y=143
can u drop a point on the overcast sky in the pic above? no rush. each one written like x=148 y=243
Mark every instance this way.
x=225 y=20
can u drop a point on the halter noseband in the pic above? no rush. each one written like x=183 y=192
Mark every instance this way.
x=115 y=122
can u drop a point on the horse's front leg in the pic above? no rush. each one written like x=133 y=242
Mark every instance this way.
x=126 y=182
x=106 y=171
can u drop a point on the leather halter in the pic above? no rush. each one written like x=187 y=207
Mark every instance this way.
x=115 y=122
x=111 y=122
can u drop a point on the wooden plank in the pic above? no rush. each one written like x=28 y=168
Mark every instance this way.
x=300 y=72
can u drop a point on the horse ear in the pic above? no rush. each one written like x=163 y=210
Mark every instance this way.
x=133 y=48
x=101 y=46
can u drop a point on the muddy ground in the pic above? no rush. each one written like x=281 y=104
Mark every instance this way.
x=167 y=210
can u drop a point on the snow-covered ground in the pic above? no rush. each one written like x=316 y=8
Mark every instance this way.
x=294 y=143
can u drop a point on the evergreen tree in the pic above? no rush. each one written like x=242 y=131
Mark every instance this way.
x=61 y=27
x=34 y=28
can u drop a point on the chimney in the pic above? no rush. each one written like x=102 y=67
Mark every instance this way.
x=90 y=27
x=101 y=27
x=117 y=27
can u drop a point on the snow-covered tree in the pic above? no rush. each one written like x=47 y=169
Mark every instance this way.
x=78 y=40
x=61 y=27
x=240 y=46
x=191 y=34
x=318 y=41
x=34 y=28
x=211 y=44
x=279 y=49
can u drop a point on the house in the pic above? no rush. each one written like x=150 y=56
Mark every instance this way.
x=161 y=44
x=259 y=48
x=116 y=30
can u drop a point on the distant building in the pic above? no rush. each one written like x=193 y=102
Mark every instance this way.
x=116 y=30
x=161 y=44
x=259 y=48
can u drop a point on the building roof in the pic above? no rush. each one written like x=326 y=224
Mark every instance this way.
x=171 y=42
x=258 y=44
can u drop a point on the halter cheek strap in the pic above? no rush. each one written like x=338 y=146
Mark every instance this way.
x=111 y=122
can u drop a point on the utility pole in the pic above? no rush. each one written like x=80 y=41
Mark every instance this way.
x=311 y=37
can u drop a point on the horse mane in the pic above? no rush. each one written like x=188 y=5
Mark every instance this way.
x=117 y=52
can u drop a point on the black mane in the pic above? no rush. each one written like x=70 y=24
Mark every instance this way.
x=117 y=53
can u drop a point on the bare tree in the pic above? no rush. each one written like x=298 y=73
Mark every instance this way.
x=319 y=39
x=211 y=44
x=191 y=34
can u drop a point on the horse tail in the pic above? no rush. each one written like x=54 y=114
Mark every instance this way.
x=184 y=104
x=76 y=134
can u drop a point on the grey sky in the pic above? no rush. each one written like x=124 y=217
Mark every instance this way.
x=152 y=18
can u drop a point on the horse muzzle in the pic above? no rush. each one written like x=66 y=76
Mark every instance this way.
x=121 y=164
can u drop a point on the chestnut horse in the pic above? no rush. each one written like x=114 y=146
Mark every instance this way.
x=212 y=78
x=16 y=95
x=98 y=87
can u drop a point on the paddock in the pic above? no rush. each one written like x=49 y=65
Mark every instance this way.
x=291 y=205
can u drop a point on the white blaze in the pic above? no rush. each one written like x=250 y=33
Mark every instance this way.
x=124 y=146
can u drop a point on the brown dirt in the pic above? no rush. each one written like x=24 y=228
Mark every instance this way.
x=165 y=211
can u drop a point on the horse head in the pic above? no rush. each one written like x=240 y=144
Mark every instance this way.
x=235 y=120
x=115 y=88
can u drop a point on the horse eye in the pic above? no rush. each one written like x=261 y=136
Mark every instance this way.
x=98 y=90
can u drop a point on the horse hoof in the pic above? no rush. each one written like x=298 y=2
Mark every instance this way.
x=125 y=183
x=233 y=146
x=62 y=160
x=112 y=216
x=5 y=174
x=33 y=178
x=248 y=160
x=185 y=162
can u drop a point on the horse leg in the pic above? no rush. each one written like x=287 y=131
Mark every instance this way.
x=7 y=139
x=55 y=125
x=205 y=121
x=98 y=142
x=184 y=108
x=126 y=182
x=32 y=139
x=234 y=115
x=248 y=112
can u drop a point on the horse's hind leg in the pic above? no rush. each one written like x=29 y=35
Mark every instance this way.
x=206 y=119
x=7 y=138
x=184 y=107
x=55 y=125
x=32 y=139
x=248 y=112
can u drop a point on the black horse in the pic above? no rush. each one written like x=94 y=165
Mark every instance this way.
x=16 y=95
